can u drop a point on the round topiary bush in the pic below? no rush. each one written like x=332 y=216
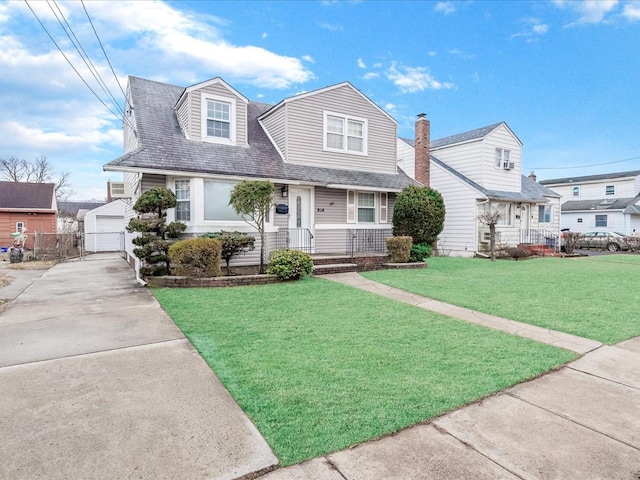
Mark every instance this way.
x=289 y=264
x=195 y=257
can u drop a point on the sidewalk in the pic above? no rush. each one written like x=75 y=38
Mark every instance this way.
x=96 y=381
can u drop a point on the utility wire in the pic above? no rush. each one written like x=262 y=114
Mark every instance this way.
x=83 y=54
x=69 y=61
x=587 y=166
x=103 y=50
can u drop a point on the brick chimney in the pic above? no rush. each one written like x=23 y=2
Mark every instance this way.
x=423 y=166
x=532 y=176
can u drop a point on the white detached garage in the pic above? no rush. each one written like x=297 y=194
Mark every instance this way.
x=104 y=228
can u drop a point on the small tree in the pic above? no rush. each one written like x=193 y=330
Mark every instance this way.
x=570 y=241
x=253 y=199
x=153 y=242
x=491 y=219
x=231 y=244
x=419 y=213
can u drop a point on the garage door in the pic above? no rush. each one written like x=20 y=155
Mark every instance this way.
x=108 y=236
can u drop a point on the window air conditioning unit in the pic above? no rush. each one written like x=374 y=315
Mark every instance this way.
x=119 y=190
x=508 y=165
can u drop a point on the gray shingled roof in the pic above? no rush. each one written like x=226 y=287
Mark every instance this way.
x=530 y=191
x=23 y=195
x=465 y=136
x=164 y=147
x=588 y=178
x=72 y=208
x=600 y=204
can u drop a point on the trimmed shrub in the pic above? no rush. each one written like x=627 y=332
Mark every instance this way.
x=570 y=241
x=195 y=257
x=399 y=249
x=232 y=243
x=419 y=212
x=515 y=252
x=289 y=264
x=420 y=252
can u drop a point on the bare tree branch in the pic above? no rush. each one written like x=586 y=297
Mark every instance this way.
x=491 y=219
x=38 y=171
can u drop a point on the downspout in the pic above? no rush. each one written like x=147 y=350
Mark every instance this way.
x=138 y=277
x=476 y=241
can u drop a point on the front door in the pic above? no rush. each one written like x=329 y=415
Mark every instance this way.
x=300 y=236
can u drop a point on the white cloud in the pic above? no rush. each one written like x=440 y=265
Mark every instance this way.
x=264 y=35
x=444 y=7
x=460 y=53
x=414 y=79
x=308 y=58
x=390 y=107
x=533 y=29
x=370 y=75
x=331 y=27
x=361 y=63
x=589 y=11
x=631 y=11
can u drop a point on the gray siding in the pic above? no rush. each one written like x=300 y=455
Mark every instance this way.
x=280 y=220
x=331 y=241
x=150 y=181
x=305 y=125
x=334 y=203
x=275 y=126
x=184 y=118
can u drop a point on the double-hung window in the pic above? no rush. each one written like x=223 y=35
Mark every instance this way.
x=218 y=119
x=544 y=213
x=502 y=157
x=610 y=190
x=576 y=191
x=183 y=200
x=345 y=134
x=601 y=220
x=366 y=207
x=19 y=227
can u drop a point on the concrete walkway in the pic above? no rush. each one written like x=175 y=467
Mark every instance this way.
x=96 y=381
x=544 y=335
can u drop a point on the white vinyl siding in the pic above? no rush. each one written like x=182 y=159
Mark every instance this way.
x=624 y=187
x=477 y=160
x=304 y=138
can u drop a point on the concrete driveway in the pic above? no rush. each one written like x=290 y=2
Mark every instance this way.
x=96 y=381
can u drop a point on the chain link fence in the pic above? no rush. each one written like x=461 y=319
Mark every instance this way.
x=61 y=246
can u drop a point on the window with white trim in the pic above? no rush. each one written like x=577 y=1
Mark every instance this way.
x=576 y=191
x=19 y=227
x=505 y=210
x=610 y=190
x=502 y=157
x=544 y=213
x=216 y=201
x=183 y=200
x=601 y=220
x=345 y=134
x=218 y=119
x=366 y=207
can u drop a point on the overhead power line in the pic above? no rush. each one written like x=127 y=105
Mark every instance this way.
x=587 y=166
x=87 y=61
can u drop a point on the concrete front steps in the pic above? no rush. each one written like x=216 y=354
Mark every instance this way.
x=325 y=264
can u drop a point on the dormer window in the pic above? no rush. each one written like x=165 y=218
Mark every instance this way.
x=218 y=119
x=503 y=158
x=345 y=134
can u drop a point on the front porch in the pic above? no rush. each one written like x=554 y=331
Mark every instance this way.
x=537 y=241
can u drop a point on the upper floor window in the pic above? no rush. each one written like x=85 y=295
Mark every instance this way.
x=218 y=119
x=502 y=156
x=183 y=200
x=345 y=134
x=575 y=191
x=610 y=190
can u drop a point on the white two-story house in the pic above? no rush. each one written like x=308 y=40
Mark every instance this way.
x=331 y=154
x=477 y=171
x=608 y=202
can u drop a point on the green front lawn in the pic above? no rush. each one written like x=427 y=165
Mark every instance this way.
x=319 y=366
x=592 y=297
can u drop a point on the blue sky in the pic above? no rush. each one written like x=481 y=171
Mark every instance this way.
x=565 y=76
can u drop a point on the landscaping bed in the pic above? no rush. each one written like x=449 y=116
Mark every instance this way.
x=592 y=297
x=320 y=366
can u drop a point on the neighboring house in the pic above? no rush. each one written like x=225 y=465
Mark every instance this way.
x=331 y=154
x=68 y=217
x=104 y=227
x=610 y=201
x=477 y=171
x=29 y=207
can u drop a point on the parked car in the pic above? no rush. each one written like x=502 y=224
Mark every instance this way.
x=612 y=241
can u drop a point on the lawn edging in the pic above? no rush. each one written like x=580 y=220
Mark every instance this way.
x=193 y=282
